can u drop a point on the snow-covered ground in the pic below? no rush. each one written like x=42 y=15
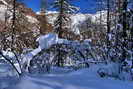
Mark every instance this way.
x=62 y=78
x=81 y=79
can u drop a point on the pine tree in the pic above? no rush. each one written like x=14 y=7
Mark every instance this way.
x=124 y=34
x=64 y=7
x=122 y=37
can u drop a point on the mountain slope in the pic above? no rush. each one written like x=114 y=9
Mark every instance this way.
x=78 y=19
x=26 y=26
x=29 y=25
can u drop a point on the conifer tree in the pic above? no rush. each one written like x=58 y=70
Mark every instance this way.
x=64 y=7
x=124 y=24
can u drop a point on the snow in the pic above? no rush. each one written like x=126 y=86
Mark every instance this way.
x=8 y=54
x=81 y=79
x=4 y=2
x=47 y=12
x=87 y=40
x=48 y=40
x=51 y=12
x=4 y=82
x=111 y=69
x=96 y=17
x=32 y=19
x=4 y=69
x=63 y=78
x=36 y=51
x=110 y=36
x=77 y=19
x=3 y=10
x=51 y=17
x=45 y=41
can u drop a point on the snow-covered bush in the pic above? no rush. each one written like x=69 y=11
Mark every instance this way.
x=116 y=70
x=73 y=55
x=10 y=63
x=111 y=70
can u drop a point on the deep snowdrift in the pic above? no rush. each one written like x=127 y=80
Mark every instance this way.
x=82 y=79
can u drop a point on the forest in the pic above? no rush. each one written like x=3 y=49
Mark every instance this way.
x=63 y=46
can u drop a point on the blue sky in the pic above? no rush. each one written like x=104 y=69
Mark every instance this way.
x=86 y=6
